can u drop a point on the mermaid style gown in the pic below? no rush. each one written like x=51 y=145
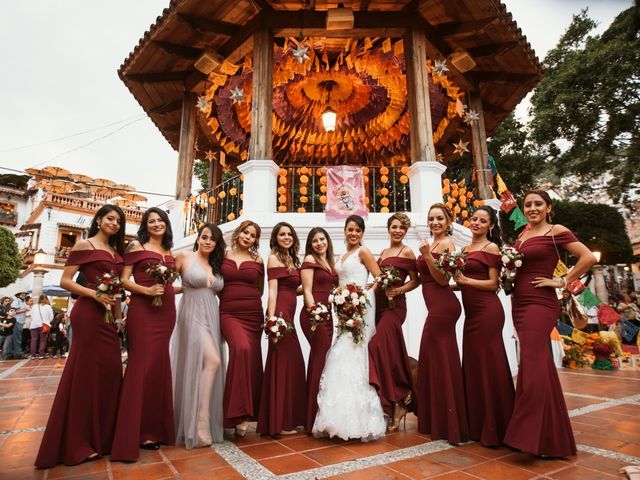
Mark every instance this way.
x=348 y=407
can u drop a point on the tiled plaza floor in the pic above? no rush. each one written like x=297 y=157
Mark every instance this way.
x=604 y=407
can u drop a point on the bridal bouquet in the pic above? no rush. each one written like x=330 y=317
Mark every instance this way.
x=275 y=328
x=350 y=303
x=511 y=260
x=108 y=283
x=163 y=274
x=318 y=313
x=450 y=263
x=388 y=278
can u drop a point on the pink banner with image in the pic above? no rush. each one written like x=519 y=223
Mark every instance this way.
x=345 y=192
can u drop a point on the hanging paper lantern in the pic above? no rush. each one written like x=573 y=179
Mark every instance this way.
x=304 y=179
x=466 y=223
x=404 y=179
x=365 y=171
x=367 y=200
x=323 y=180
x=282 y=199
x=404 y=170
x=465 y=213
x=384 y=201
x=242 y=196
x=282 y=172
x=323 y=189
x=303 y=190
x=282 y=180
x=233 y=191
x=456 y=209
x=384 y=210
x=445 y=181
x=384 y=191
x=323 y=199
x=455 y=193
x=301 y=210
x=204 y=197
x=304 y=199
x=242 y=178
x=282 y=190
x=384 y=171
x=282 y=208
x=222 y=194
x=231 y=216
x=212 y=200
x=241 y=212
x=384 y=179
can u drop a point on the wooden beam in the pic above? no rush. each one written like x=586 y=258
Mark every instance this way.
x=167 y=107
x=181 y=51
x=260 y=143
x=195 y=81
x=479 y=148
x=458 y=29
x=207 y=26
x=503 y=77
x=421 y=132
x=158 y=77
x=243 y=36
x=494 y=109
x=492 y=50
x=186 y=153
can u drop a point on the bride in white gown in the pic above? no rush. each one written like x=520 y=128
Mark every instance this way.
x=348 y=407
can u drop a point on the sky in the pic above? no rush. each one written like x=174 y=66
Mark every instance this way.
x=59 y=79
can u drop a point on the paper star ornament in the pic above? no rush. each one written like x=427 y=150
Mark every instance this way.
x=203 y=104
x=471 y=117
x=460 y=147
x=237 y=95
x=210 y=156
x=440 y=67
x=300 y=53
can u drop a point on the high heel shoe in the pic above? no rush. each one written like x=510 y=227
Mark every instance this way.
x=400 y=410
x=241 y=429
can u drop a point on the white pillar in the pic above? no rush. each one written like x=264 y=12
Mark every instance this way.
x=494 y=203
x=177 y=217
x=600 y=284
x=425 y=181
x=38 y=282
x=259 y=186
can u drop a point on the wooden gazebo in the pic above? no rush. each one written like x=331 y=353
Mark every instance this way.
x=247 y=81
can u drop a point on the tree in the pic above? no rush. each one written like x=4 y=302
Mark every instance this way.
x=516 y=157
x=586 y=110
x=10 y=261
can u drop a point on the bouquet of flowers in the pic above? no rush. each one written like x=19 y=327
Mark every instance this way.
x=388 y=278
x=451 y=263
x=108 y=283
x=511 y=260
x=350 y=303
x=276 y=327
x=319 y=313
x=163 y=274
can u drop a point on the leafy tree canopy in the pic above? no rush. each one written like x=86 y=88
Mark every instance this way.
x=586 y=110
x=10 y=261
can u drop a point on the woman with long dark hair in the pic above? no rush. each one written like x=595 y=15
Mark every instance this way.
x=83 y=415
x=441 y=408
x=196 y=345
x=241 y=317
x=389 y=367
x=319 y=277
x=540 y=422
x=487 y=377
x=283 y=402
x=145 y=416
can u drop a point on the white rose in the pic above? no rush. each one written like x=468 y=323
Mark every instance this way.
x=274 y=328
x=339 y=300
x=505 y=259
x=354 y=295
x=355 y=301
x=518 y=263
x=102 y=287
x=162 y=268
x=349 y=323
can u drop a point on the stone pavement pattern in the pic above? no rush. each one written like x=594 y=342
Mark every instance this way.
x=604 y=406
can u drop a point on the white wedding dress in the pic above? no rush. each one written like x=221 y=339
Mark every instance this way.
x=348 y=407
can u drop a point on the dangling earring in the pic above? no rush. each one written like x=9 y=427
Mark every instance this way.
x=548 y=217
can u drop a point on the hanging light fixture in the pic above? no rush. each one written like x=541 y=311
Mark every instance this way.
x=329 y=120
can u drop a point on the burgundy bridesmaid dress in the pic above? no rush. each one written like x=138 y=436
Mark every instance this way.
x=487 y=377
x=440 y=404
x=241 y=318
x=540 y=422
x=283 y=400
x=389 y=367
x=320 y=339
x=146 y=403
x=83 y=416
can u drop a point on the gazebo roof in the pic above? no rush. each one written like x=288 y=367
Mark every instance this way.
x=161 y=67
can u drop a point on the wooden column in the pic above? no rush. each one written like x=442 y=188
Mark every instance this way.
x=479 y=148
x=186 y=154
x=262 y=94
x=421 y=132
x=215 y=170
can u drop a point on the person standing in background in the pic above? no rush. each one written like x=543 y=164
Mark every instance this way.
x=20 y=304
